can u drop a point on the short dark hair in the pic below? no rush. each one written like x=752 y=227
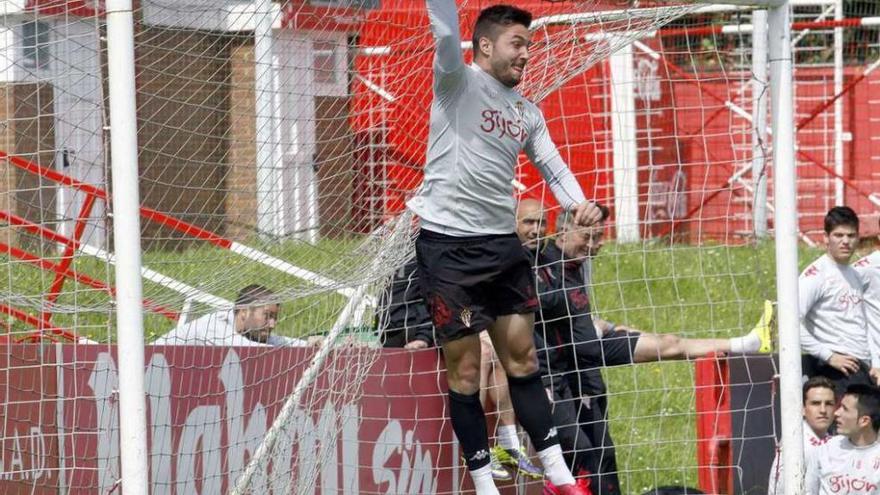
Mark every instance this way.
x=817 y=382
x=840 y=215
x=867 y=402
x=253 y=294
x=497 y=15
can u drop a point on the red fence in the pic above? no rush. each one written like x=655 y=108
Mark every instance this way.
x=208 y=409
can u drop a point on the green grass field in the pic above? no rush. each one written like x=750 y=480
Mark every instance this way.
x=706 y=291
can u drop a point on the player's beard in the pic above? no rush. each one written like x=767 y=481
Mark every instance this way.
x=505 y=73
x=260 y=335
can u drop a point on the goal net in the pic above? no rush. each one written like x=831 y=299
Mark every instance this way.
x=277 y=145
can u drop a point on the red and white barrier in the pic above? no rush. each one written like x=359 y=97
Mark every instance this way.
x=208 y=411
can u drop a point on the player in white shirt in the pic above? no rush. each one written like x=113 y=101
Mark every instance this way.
x=474 y=272
x=819 y=404
x=869 y=269
x=250 y=323
x=834 y=330
x=849 y=463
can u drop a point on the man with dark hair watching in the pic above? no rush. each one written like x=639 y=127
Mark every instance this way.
x=571 y=351
x=819 y=405
x=250 y=323
x=474 y=273
x=849 y=463
x=834 y=330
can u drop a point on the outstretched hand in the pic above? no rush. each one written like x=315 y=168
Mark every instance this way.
x=587 y=214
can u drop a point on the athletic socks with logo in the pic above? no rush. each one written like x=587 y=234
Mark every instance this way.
x=469 y=424
x=533 y=411
x=532 y=408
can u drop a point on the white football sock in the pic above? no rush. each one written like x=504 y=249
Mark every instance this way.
x=554 y=466
x=750 y=342
x=508 y=438
x=483 y=482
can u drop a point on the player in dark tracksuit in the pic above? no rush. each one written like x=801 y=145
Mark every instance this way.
x=404 y=320
x=572 y=352
x=565 y=338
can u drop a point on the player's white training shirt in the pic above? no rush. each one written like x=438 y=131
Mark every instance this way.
x=478 y=128
x=869 y=269
x=841 y=468
x=218 y=329
x=776 y=483
x=832 y=311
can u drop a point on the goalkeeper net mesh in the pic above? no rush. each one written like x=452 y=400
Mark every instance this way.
x=277 y=145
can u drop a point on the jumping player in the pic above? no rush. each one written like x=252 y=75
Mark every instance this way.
x=474 y=271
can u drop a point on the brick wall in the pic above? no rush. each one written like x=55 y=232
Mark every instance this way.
x=183 y=91
x=241 y=197
x=333 y=154
x=336 y=166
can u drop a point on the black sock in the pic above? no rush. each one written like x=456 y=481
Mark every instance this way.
x=532 y=409
x=469 y=424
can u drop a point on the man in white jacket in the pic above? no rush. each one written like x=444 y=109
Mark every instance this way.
x=819 y=404
x=834 y=329
x=849 y=463
x=250 y=323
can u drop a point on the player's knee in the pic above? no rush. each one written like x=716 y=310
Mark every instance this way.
x=464 y=378
x=523 y=363
x=670 y=345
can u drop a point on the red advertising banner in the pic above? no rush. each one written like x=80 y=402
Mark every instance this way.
x=208 y=410
x=29 y=443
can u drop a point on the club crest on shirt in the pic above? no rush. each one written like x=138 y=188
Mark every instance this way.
x=520 y=108
x=466 y=315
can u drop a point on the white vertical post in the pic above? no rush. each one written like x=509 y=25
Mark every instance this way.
x=624 y=147
x=839 y=193
x=127 y=241
x=786 y=223
x=759 y=122
x=266 y=176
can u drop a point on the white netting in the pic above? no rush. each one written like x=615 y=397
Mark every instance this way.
x=277 y=143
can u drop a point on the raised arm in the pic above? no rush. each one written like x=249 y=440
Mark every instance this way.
x=543 y=153
x=448 y=59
